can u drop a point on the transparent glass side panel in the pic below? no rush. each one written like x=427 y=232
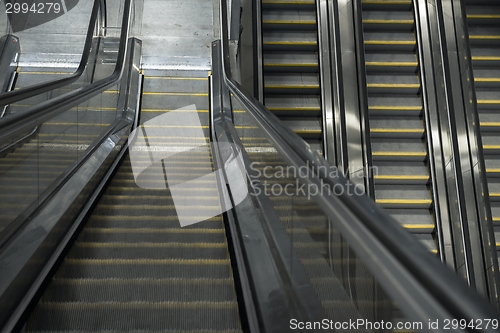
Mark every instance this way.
x=348 y=291
x=30 y=169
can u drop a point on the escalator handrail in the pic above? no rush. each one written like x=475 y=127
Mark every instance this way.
x=18 y=124
x=441 y=282
x=13 y=96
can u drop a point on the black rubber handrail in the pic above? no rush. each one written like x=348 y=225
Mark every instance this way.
x=16 y=125
x=441 y=282
x=13 y=96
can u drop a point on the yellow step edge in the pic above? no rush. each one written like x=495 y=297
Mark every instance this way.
x=175 y=137
x=492 y=170
x=153 y=230
x=434 y=251
x=496 y=219
x=75 y=108
x=174 y=94
x=485 y=58
x=295 y=108
x=484 y=37
x=73 y=307
x=491 y=146
x=45 y=73
x=386 y=2
x=490 y=124
x=399 y=153
x=487 y=79
x=151 y=245
x=404 y=201
x=302 y=86
x=174 y=126
x=74 y=124
x=393 y=85
x=301 y=22
x=390 y=2
x=391 y=64
x=395 y=108
x=291 y=65
x=245 y=127
x=290 y=43
x=418 y=226
x=483 y=16
x=498 y=244
x=97 y=281
x=181 y=111
x=388 y=21
x=495 y=194
x=396 y=130
x=390 y=42
x=148 y=261
x=402 y=177
x=488 y=101
x=217 y=218
x=288 y=2
x=307 y=131
x=176 y=78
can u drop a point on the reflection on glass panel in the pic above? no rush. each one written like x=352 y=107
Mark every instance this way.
x=18 y=180
x=346 y=288
x=29 y=169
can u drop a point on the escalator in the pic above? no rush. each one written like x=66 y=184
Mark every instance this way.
x=483 y=19
x=396 y=117
x=132 y=261
x=134 y=238
x=291 y=66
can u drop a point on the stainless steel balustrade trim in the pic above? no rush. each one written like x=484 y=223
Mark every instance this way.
x=17 y=124
x=447 y=293
x=435 y=106
x=444 y=194
x=97 y=18
x=363 y=97
x=330 y=124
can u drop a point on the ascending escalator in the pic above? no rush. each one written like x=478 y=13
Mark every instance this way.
x=396 y=118
x=291 y=66
x=133 y=267
x=483 y=18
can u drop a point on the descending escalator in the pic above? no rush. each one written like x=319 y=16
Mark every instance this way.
x=133 y=267
x=483 y=18
x=396 y=116
x=291 y=66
